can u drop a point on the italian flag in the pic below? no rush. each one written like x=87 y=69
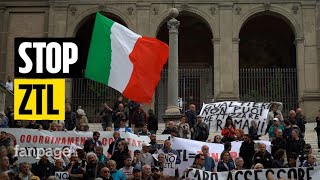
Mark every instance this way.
x=124 y=60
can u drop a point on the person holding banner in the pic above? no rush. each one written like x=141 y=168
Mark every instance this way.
x=229 y=131
x=167 y=149
x=209 y=164
x=161 y=165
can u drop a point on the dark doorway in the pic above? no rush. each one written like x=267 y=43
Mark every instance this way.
x=267 y=61
x=267 y=41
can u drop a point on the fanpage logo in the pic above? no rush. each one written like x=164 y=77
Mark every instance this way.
x=41 y=64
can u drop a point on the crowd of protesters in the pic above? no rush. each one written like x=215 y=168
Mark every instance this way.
x=288 y=147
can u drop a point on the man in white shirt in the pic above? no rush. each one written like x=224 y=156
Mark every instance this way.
x=9 y=84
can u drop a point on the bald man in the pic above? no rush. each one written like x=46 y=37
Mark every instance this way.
x=208 y=162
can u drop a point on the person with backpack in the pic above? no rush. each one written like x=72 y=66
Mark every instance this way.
x=200 y=130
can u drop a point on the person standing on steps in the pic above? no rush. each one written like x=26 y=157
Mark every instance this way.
x=317 y=128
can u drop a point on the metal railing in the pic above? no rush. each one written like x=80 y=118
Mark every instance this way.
x=90 y=95
x=270 y=84
x=195 y=86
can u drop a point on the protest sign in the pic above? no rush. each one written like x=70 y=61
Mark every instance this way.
x=169 y=165
x=188 y=149
x=302 y=173
x=242 y=113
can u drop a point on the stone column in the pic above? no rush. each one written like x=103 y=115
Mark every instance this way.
x=300 y=66
x=310 y=101
x=226 y=78
x=58 y=14
x=235 y=67
x=3 y=43
x=173 y=111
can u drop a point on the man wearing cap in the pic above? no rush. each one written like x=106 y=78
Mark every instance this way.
x=4 y=140
x=137 y=173
x=201 y=130
x=146 y=157
x=274 y=128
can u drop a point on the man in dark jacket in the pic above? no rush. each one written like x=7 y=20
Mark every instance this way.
x=43 y=168
x=152 y=122
x=139 y=119
x=70 y=118
x=300 y=121
x=263 y=157
x=200 y=130
x=90 y=144
x=317 y=128
x=278 y=143
x=296 y=144
x=113 y=146
x=247 y=151
x=191 y=116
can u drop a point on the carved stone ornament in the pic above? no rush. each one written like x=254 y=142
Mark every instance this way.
x=2 y=8
x=101 y=6
x=212 y=10
x=238 y=10
x=130 y=10
x=155 y=10
x=73 y=10
x=184 y=6
x=295 y=9
x=266 y=6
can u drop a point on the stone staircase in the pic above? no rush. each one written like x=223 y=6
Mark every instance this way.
x=310 y=135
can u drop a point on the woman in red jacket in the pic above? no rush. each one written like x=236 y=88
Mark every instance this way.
x=229 y=131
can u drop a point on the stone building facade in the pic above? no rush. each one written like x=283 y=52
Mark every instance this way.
x=224 y=20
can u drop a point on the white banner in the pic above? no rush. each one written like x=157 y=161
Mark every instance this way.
x=242 y=113
x=189 y=148
x=30 y=141
x=263 y=174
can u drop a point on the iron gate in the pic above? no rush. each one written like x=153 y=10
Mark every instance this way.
x=90 y=95
x=270 y=84
x=195 y=86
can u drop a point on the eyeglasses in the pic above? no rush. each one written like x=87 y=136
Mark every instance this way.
x=105 y=171
x=202 y=159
